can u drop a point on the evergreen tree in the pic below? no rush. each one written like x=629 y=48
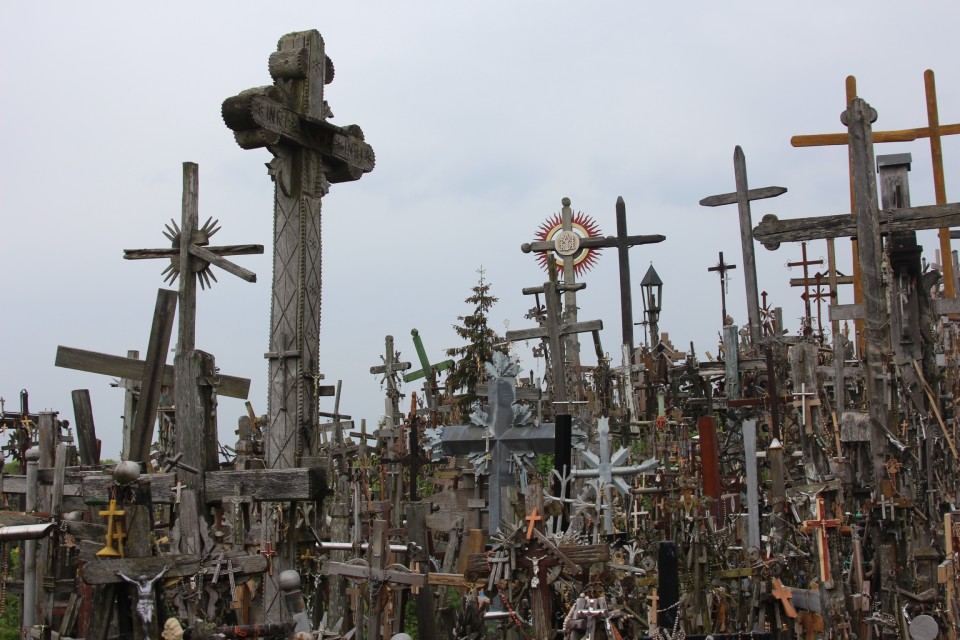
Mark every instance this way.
x=481 y=340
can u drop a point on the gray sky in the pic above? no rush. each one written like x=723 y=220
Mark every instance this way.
x=482 y=115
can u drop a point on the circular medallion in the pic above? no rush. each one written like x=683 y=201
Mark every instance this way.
x=567 y=243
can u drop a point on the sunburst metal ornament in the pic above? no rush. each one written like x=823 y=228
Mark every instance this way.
x=584 y=226
x=199 y=266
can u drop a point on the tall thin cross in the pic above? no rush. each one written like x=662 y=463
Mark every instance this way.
x=390 y=369
x=289 y=118
x=742 y=197
x=722 y=268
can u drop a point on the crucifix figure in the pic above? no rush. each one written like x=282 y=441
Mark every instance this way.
x=145 y=604
x=819 y=527
x=722 y=268
x=742 y=198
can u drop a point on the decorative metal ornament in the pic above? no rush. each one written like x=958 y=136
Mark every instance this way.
x=568 y=242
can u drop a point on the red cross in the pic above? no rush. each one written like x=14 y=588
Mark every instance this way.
x=269 y=554
x=820 y=526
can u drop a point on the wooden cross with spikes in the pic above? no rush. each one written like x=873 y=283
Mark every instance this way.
x=191 y=254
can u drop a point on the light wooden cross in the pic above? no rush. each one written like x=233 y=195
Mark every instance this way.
x=783 y=594
x=819 y=527
x=532 y=519
x=934 y=131
x=742 y=197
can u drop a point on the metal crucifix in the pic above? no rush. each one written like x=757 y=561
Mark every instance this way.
x=722 y=268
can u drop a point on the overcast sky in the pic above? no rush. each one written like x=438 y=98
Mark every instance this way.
x=482 y=115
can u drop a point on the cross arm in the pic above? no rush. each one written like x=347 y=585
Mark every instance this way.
x=541 y=332
x=226 y=250
x=632 y=241
x=772 y=231
x=548 y=245
x=211 y=257
x=900 y=135
x=752 y=194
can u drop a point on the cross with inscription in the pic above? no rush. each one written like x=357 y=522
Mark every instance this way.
x=742 y=197
x=289 y=118
x=722 y=268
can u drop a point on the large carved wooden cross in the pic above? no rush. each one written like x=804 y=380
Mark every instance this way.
x=289 y=117
x=742 y=198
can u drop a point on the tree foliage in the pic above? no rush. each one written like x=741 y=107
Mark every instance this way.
x=481 y=342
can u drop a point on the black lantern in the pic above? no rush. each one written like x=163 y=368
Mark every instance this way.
x=652 y=287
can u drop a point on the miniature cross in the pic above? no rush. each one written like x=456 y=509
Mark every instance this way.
x=177 y=488
x=115 y=532
x=268 y=553
x=722 y=268
x=783 y=594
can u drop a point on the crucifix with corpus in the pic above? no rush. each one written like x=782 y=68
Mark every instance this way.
x=722 y=268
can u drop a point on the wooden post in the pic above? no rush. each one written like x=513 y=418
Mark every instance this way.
x=142 y=433
x=668 y=586
x=196 y=434
x=418 y=533
x=710 y=464
x=87 y=441
x=748 y=429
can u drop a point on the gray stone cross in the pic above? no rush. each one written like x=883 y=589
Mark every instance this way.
x=504 y=431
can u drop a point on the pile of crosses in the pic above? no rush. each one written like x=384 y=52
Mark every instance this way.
x=793 y=487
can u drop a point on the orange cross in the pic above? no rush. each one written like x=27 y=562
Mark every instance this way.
x=533 y=517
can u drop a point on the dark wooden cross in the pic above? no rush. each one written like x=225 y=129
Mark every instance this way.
x=804 y=263
x=722 y=268
x=742 y=197
x=378 y=572
x=152 y=371
x=414 y=460
x=426 y=371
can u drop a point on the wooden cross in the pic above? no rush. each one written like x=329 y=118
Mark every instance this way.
x=426 y=371
x=289 y=118
x=783 y=594
x=177 y=488
x=281 y=352
x=819 y=527
x=742 y=197
x=414 y=458
x=390 y=369
x=532 y=519
x=377 y=570
x=934 y=130
x=721 y=268
x=805 y=263
x=622 y=242
x=190 y=254
x=268 y=553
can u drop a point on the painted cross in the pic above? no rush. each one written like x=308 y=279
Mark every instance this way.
x=377 y=570
x=742 y=197
x=503 y=432
x=426 y=371
x=783 y=594
x=532 y=519
x=819 y=527
x=722 y=268
x=115 y=532
x=622 y=242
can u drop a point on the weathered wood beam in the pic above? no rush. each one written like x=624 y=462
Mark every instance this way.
x=132 y=369
x=772 y=231
x=105 y=571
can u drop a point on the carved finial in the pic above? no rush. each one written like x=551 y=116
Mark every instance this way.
x=565 y=202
